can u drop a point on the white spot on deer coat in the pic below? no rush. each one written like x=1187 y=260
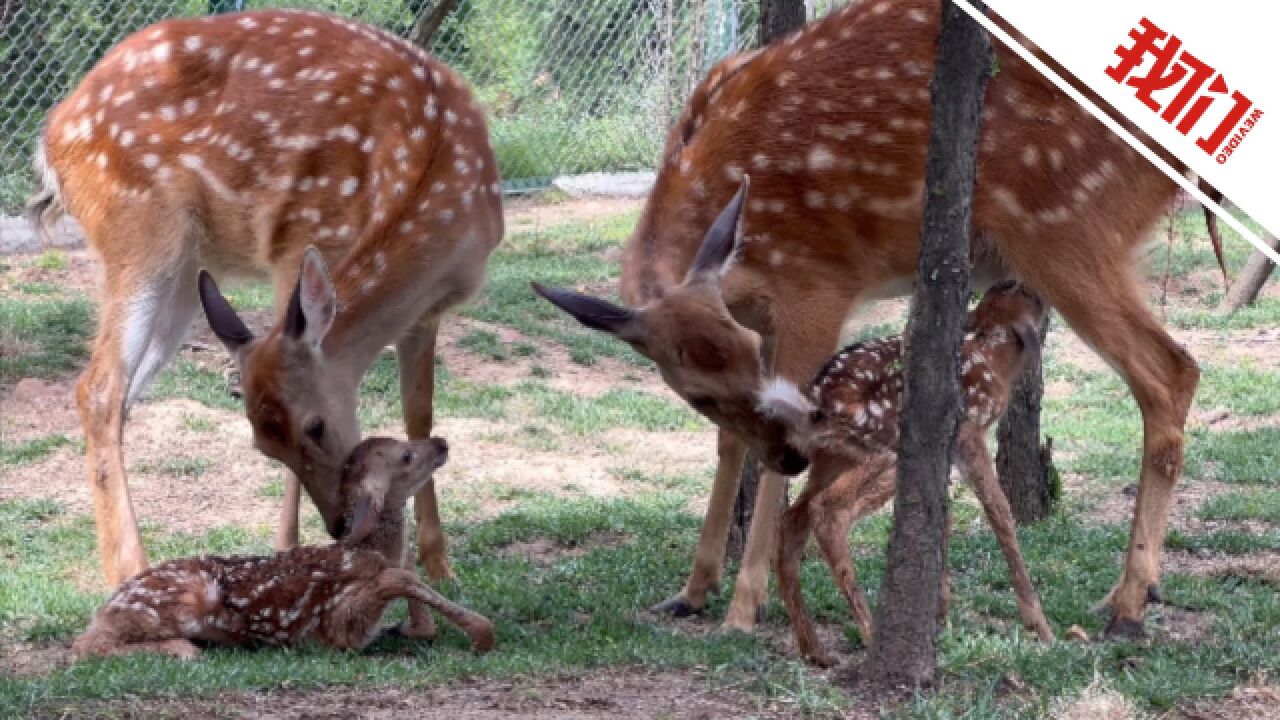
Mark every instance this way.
x=820 y=158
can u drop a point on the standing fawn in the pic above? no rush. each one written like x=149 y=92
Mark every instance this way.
x=849 y=421
x=273 y=144
x=832 y=125
x=334 y=594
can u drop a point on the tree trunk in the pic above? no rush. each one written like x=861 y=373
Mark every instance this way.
x=904 y=643
x=1253 y=277
x=1025 y=466
x=778 y=18
x=424 y=29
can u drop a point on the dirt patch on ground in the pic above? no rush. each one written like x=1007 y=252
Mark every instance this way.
x=1256 y=700
x=611 y=694
x=22 y=659
x=544 y=551
x=1114 y=505
x=534 y=213
x=1096 y=702
x=1260 y=566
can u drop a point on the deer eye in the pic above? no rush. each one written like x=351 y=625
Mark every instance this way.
x=315 y=429
x=407 y=457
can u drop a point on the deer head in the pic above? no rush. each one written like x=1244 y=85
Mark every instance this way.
x=706 y=356
x=380 y=475
x=302 y=415
x=1013 y=306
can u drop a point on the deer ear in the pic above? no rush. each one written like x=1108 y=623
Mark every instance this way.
x=223 y=320
x=721 y=243
x=313 y=304
x=593 y=312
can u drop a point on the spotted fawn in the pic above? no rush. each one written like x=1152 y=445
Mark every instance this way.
x=848 y=421
x=334 y=594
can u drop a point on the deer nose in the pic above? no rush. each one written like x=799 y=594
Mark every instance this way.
x=339 y=528
x=793 y=462
x=441 y=449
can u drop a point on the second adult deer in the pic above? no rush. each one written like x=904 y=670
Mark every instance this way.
x=832 y=126
x=335 y=594
x=271 y=144
x=848 y=418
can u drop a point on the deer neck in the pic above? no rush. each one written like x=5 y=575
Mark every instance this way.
x=387 y=538
x=665 y=241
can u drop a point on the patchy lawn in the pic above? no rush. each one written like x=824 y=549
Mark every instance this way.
x=573 y=501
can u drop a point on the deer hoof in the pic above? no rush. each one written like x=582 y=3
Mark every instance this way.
x=822 y=659
x=677 y=607
x=1122 y=628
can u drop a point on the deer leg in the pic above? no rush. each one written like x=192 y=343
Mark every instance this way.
x=1105 y=306
x=793 y=535
x=799 y=347
x=477 y=627
x=415 y=357
x=144 y=316
x=287 y=531
x=708 y=559
x=971 y=451
x=854 y=495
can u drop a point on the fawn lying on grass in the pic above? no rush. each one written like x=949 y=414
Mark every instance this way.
x=335 y=594
x=850 y=419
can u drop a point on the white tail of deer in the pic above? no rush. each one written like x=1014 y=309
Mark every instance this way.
x=235 y=143
x=832 y=125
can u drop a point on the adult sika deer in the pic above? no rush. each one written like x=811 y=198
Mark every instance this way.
x=831 y=124
x=271 y=144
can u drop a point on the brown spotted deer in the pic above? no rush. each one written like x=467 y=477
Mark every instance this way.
x=832 y=124
x=335 y=594
x=273 y=144
x=847 y=421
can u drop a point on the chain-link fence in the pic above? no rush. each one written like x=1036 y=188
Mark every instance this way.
x=571 y=86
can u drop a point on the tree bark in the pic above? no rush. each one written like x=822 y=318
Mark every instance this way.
x=778 y=18
x=1025 y=466
x=424 y=29
x=904 y=643
x=1253 y=277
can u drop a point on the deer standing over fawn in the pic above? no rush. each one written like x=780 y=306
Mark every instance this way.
x=271 y=144
x=848 y=420
x=831 y=124
x=335 y=594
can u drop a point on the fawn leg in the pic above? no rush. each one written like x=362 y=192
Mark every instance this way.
x=400 y=582
x=854 y=496
x=972 y=453
x=793 y=535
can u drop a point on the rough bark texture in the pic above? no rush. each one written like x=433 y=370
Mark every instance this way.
x=904 y=645
x=778 y=18
x=1025 y=465
x=429 y=21
x=1253 y=277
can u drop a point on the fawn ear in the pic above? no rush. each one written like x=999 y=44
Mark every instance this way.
x=1029 y=336
x=224 y=321
x=313 y=304
x=593 y=312
x=721 y=242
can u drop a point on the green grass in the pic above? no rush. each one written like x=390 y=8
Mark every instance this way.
x=179 y=466
x=32 y=451
x=485 y=344
x=1250 y=505
x=43 y=338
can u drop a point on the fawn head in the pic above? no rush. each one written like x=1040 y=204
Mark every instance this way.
x=706 y=356
x=302 y=414
x=381 y=474
x=1009 y=307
